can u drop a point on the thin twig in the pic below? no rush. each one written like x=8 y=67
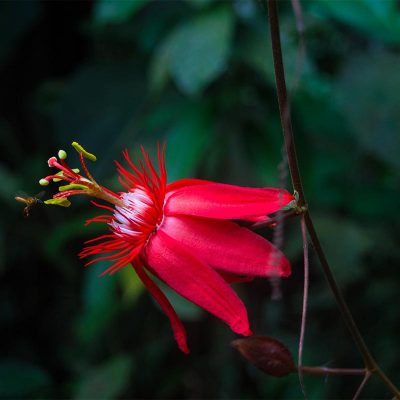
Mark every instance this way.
x=305 y=303
x=362 y=384
x=369 y=361
x=273 y=222
x=333 y=371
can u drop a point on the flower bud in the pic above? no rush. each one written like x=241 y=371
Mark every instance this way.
x=267 y=354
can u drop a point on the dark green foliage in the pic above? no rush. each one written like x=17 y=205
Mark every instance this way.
x=198 y=75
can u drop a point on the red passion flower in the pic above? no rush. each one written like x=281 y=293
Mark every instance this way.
x=180 y=232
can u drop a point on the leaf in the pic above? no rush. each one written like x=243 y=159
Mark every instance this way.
x=187 y=141
x=199 y=3
x=100 y=303
x=345 y=244
x=132 y=286
x=116 y=11
x=186 y=310
x=98 y=103
x=21 y=379
x=196 y=53
x=377 y=18
x=106 y=381
x=368 y=95
x=253 y=50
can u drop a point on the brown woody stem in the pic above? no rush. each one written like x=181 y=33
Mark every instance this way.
x=370 y=363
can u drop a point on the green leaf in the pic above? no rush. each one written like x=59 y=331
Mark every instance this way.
x=197 y=52
x=186 y=310
x=187 y=141
x=98 y=103
x=100 y=303
x=345 y=243
x=131 y=285
x=368 y=93
x=377 y=18
x=199 y=3
x=106 y=381
x=116 y=11
x=159 y=68
x=21 y=379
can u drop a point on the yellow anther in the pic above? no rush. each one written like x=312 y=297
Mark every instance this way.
x=43 y=182
x=61 y=201
x=62 y=154
x=85 y=153
x=72 y=186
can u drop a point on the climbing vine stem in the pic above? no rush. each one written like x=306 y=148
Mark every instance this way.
x=284 y=109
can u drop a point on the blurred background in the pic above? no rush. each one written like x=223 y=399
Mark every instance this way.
x=198 y=75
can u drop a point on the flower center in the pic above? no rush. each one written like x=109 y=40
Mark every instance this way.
x=138 y=218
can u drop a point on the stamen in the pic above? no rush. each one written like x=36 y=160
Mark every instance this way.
x=72 y=186
x=43 y=182
x=62 y=154
x=85 y=153
x=62 y=177
x=51 y=161
x=62 y=201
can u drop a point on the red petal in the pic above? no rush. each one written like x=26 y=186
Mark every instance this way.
x=217 y=200
x=196 y=281
x=185 y=182
x=227 y=246
x=229 y=278
x=176 y=324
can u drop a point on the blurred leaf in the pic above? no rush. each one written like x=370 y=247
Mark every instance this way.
x=196 y=52
x=187 y=141
x=110 y=94
x=199 y=3
x=61 y=234
x=245 y=9
x=21 y=379
x=16 y=18
x=159 y=68
x=186 y=310
x=254 y=51
x=380 y=19
x=132 y=286
x=106 y=381
x=368 y=95
x=100 y=302
x=345 y=244
x=116 y=11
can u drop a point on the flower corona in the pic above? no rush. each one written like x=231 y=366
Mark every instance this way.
x=181 y=233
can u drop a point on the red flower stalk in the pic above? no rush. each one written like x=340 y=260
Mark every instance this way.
x=179 y=232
